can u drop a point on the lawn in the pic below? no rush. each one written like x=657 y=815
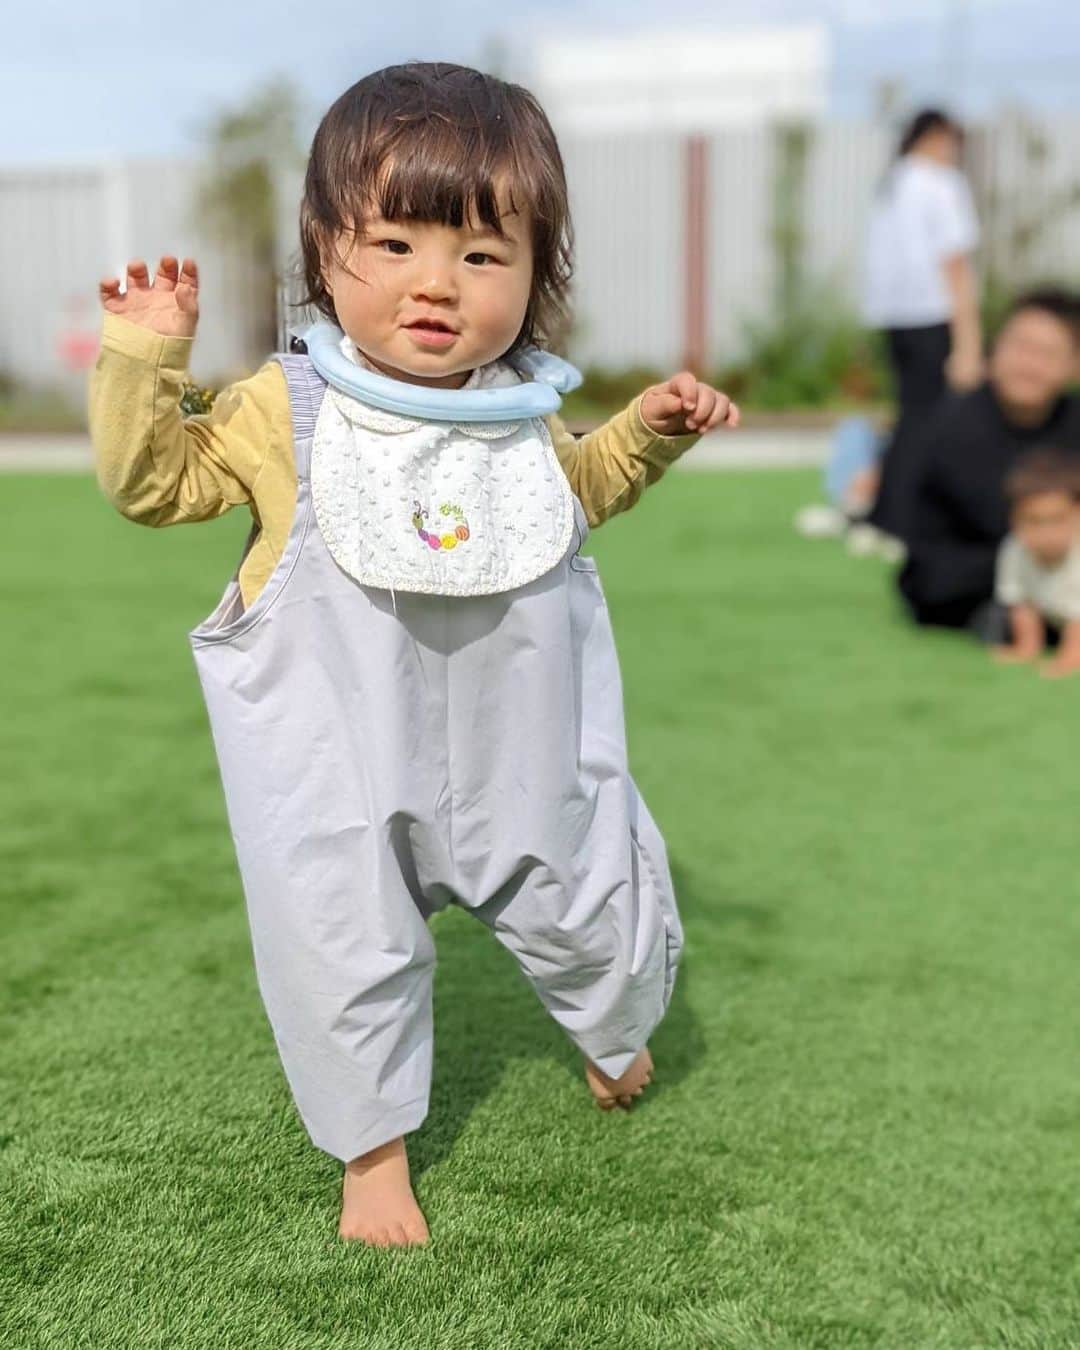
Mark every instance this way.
x=866 y=1124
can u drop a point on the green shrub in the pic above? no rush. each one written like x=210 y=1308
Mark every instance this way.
x=38 y=409
x=816 y=357
x=607 y=391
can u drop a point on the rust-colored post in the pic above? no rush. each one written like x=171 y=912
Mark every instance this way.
x=695 y=217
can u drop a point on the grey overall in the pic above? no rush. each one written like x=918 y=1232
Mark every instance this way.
x=385 y=755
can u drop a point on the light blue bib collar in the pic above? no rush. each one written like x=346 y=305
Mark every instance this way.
x=546 y=379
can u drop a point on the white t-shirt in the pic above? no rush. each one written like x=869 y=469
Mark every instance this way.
x=1022 y=580
x=923 y=214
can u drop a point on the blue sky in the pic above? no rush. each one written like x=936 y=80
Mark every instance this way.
x=116 y=78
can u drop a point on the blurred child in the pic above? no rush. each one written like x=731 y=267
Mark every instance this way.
x=411 y=681
x=1038 y=567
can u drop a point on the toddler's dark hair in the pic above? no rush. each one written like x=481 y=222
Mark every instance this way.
x=1043 y=470
x=431 y=142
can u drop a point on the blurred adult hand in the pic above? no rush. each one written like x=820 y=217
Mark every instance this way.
x=169 y=305
x=964 y=369
x=684 y=406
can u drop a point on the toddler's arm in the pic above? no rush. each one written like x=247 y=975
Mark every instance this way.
x=1025 y=622
x=1067 y=659
x=610 y=467
x=1028 y=635
x=155 y=466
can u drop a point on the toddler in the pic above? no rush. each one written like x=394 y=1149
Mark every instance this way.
x=411 y=679
x=1038 y=567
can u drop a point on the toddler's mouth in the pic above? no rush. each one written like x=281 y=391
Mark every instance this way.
x=431 y=332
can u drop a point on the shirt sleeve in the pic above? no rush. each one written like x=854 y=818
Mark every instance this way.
x=1070 y=598
x=1009 y=586
x=956 y=226
x=158 y=467
x=611 y=467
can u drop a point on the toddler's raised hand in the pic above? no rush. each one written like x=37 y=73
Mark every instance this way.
x=169 y=305
x=684 y=406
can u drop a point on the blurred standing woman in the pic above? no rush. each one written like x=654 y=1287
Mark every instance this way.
x=920 y=289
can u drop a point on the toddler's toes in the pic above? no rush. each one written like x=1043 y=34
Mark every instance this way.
x=612 y=1092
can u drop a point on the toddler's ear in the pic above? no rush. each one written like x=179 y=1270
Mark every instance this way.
x=325 y=269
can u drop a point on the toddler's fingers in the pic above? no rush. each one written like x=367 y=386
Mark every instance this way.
x=109 y=289
x=187 y=288
x=138 y=277
x=686 y=386
x=721 y=409
x=663 y=403
x=701 y=418
x=167 y=273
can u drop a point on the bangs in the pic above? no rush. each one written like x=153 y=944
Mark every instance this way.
x=438 y=178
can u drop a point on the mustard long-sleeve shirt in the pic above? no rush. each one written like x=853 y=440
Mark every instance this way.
x=159 y=468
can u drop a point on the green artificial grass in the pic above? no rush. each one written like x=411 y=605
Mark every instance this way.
x=865 y=1129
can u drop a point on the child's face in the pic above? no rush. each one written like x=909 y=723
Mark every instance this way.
x=428 y=303
x=1047 y=524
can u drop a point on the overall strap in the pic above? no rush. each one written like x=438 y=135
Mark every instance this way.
x=306 y=389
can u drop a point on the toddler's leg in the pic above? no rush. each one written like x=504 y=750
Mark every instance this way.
x=345 y=972
x=601 y=954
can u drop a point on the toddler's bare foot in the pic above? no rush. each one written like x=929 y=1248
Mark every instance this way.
x=612 y=1092
x=377 y=1204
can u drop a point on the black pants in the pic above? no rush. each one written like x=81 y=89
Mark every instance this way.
x=917 y=357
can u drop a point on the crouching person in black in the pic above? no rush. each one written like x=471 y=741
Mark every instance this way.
x=960 y=515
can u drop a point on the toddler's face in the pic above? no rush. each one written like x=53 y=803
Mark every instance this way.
x=1047 y=524
x=428 y=303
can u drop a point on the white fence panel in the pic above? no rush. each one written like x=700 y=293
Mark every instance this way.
x=739 y=268
x=626 y=197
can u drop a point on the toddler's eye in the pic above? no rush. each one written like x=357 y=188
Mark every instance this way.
x=480 y=259
x=396 y=246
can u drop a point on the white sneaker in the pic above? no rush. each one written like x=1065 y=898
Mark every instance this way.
x=820 y=522
x=867 y=541
x=862 y=541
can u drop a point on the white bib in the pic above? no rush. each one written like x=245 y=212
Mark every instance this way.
x=434 y=507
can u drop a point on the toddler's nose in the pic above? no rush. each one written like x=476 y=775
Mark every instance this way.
x=433 y=286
